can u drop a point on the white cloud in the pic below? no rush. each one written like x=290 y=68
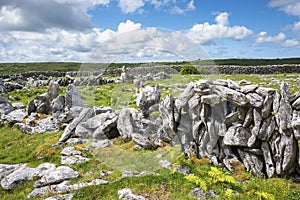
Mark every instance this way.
x=291 y=43
x=263 y=37
x=189 y=7
x=296 y=28
x=128 y=26
x=291 y=7
x=130 y=6
x=206 y=32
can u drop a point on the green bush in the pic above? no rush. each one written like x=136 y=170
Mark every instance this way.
x=188 y=69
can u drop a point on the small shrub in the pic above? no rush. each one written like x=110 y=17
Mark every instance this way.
x=218 y=176
x=199 y=182
x=265 y=196
x=188 y=69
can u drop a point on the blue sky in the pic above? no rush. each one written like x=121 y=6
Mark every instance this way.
x=147 y=30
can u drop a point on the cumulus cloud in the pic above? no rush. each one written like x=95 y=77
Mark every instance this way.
x=189 y=7
x=263 y=37
x=128 y=26
x=31 y=15
x=291 y=7
x=130 y=6
x=206 y=32
x=291 y=43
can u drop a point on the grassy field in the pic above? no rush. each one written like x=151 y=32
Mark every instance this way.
x=17 y=147
x=16 y=68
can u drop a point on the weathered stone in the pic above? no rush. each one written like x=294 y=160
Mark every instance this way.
x=267 y=154
x=129 y=122
x=85 y=114
x=211 y=99
x=73 y=97
x=61 y=197
x=296 y=104
x=255 y=130
x=58 y=104
x=230 y=95
x=248 y=88
x=142 y=141
x=5 y=106
x=294 y=97
x=8 y=169
x=200 y=194
x=107 y=127
x=296 y=124
x=53 y=90
x=185 y=96
x=49 y=124
x=127 y=194
x=147 y=97
x=231 y=162
x=262 y=91
x=233 y=85
x=71 y=156
x=15 y=116
x=237 y=136
x=231 y=118
x=20 y=175
x=253 y=163
x=255 y=99
x=267 y=129
x=60 y=174
x=220 y=82
x=170 y=116
x=267 y=106
x=248 y=118
x=18 y=105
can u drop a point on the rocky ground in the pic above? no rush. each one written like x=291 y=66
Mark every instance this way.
x=235 y=125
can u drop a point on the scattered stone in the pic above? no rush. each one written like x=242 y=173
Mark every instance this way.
x=70 y=156
x=99 y=144
x=18 y=105
x=61 y=197
x=15 y=116
x=73 y=97
x=5 y=106
x=200 y=194
x=127 y=194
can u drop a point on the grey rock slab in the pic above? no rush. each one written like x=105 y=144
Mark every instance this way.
x=252 y=162
x=73 y=97
x=185 y=96
x=257 y=118
x=200 y=194
x=248 y=88
x=49 y=124
x=296 y=104
x=255 y=99
x=231 y=118
x=21 y=175
x=129 y=122
x=85 y=114
x=294 y=97
x=127 y=194
x=267 y=129
x=70 y=151
x=147 y=97
x=285 y=90
x=107 y=127
x=142 y=141
x=231 y=161
x=71 y=160
x=263 y=91
x=296 y=124
x=267 y=155
x=230 y=94
x=237 y=136
x=53 y=90
x=5 y=106
x=18 y=105
x=6 y=169
x=211 y=99
x=233 y=85
x=58 y=104
x=267 y=106
x=60 y=174
x=284 y=115
x=248 y=118
x=15 y=116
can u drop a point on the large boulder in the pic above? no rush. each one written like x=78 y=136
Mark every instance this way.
x=129 y=122
x=73 y=97
x=53 y=90
x=41 y=104
x=146 y=97
x=237 y=136
x=5 y=106
x=15 y=116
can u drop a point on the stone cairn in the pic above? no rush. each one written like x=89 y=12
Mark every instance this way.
x=256 y=127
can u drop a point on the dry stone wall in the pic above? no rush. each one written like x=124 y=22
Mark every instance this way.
x=255 y=126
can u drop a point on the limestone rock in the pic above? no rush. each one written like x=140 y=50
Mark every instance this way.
x=267 y=106
x=296 y=104
x=237 y=136
x=58 y=104
x=248 y=88
x=267 y=154
x=230 y=95
x=60 y=174
x=255 y=99
x=252 y=162
x=61 y=197
x=85 y=114
x=142 y=141
x=147 y=97
x=73 y=97
x=70 y=156
x=6 y=169
x=267 y=129
x=5 y=106
x=15 y=116
x=49 y=124
x=53 y=90
x=211 y=99
x=296 y=124
x=127 y=194
x=41 y=104
x=129 y=122
x=99 y=144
